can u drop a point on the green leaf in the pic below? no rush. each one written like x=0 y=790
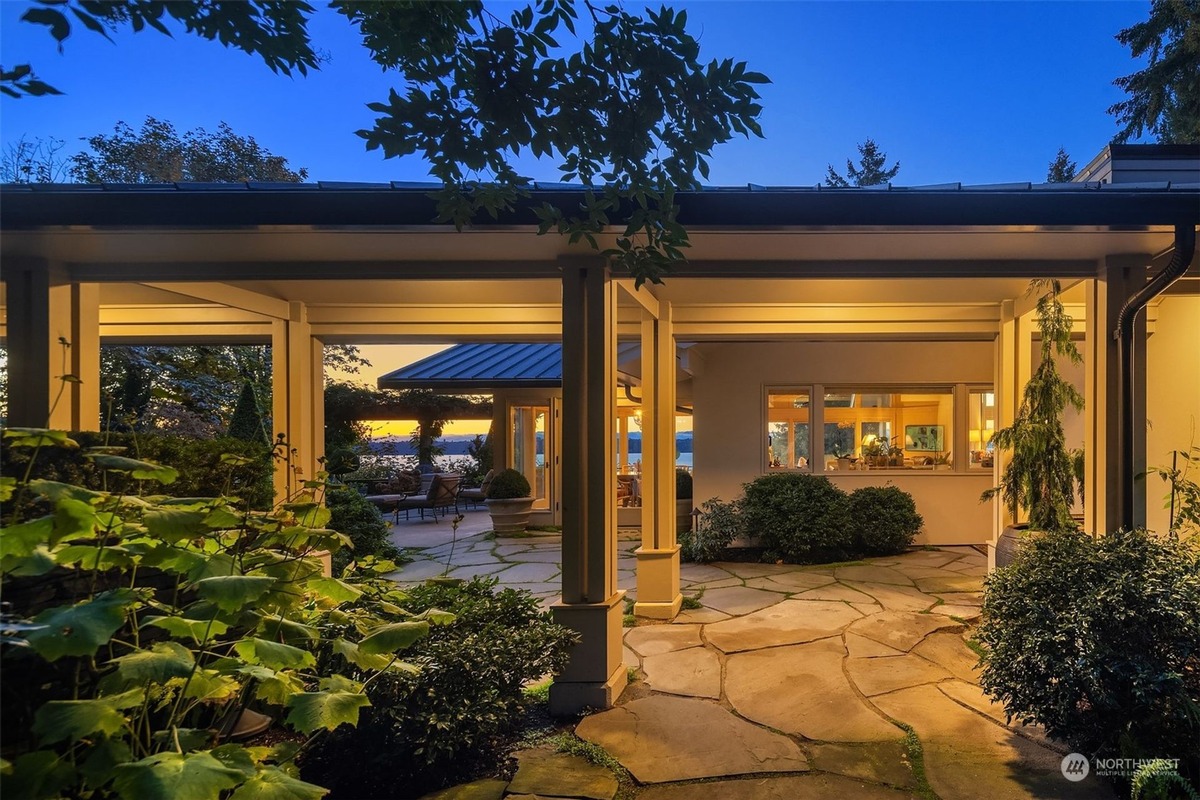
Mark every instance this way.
x=7 y=487
x=73 y=519
x=336 y=590
x=57 y=720
x=39 y=563
x=272 y=783
x=92 y=557
x=350 y=651
x=278 y=628
x=19 y=541
x=183 y=628
x=41 y=773
x=274 y=654
x=236 y=756
x=39 y=437
x=159 y=664
x=175 y=776
x=190 y=739
x=209 y=685
x=273 y=687
x=311 y=711
x=54 y=490
x=81 y=629
x=437 y=616
x=393 y=637
x=175 y=524
x=231 y=592
x=142 y=470
x=103 y=755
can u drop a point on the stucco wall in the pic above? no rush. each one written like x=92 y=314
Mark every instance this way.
x=1172 y=394
x=730 y=418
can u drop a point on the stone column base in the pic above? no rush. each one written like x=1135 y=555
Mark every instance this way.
x=595 y=676
x=658 y=595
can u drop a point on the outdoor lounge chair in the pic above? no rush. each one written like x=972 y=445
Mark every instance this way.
x=442 y=494
x=477 y=496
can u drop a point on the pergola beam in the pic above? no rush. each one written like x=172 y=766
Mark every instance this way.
x=228 y=296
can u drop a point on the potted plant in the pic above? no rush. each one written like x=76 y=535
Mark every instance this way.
x=683 y=501
x=509 y=501
x=1040 y=475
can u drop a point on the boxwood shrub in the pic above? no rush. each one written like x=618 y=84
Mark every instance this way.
x=719 y=524
x=449 y=721
x=802 y=518
x=883 y=520
x=507 y=485
x=1098 y=639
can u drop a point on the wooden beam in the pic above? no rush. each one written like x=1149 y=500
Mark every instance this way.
x=230 y=296
x=644 y=297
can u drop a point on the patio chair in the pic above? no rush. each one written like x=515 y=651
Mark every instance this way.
x=442 y=494
x=477 y=496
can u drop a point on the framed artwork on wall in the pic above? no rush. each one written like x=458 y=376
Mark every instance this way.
x=925 y=438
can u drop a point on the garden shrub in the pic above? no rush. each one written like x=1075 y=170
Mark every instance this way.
x=683 y=484
x=449 y=721
x=358 y=518
x=201 y=472
x=804 y=518
x=1098 y=639
x=719 y=524
x=138 y=628
x=883 y=520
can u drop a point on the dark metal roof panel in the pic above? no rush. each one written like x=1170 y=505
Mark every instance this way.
x=482 y=365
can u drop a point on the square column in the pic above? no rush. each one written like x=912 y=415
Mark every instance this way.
x=297 y=399
x=658 y=594
x=53 y=333
x=591 y=602
x=1117 y=278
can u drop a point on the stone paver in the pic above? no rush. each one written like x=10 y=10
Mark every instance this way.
x=968 y=755
x=968 y=613
x=899 y=629
x=690 y=615
x=801 y=689
x=550 y=774
x=950 y=583
x=649 y=640
x=788 y=622
x=489 y=789
x=872 y=574
x=862 y=647
x=738 y=599
x=874 y=676
x=530 y=573
x=661 y=739
x=837 y=592
x=950 y=652
x=894 y=598
x=880 y=762
x=695 y=672
x=792 y=787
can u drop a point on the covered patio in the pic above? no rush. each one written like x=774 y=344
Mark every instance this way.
x=795 y=292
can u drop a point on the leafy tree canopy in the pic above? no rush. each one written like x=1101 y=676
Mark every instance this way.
x=630 y=111
x=159 y=154
x=1062 y=168
x=870 y=171
x=1164 y=98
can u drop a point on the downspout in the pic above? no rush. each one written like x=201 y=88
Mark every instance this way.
x=1181 y=259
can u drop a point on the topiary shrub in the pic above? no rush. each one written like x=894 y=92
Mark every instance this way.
x=683 y=484
x=804 y=518
x=507 y=485
x=720 y=523
x=883 y=520
x=1098 y=639
x=358 y=518
x=449 y=721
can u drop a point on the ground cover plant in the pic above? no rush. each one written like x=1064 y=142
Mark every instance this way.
x=1098 y=640
x=138 y=627
x=451 y=720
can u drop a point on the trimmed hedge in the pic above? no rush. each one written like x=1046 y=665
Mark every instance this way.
x=507 y=485
x=1098 y=639
x=883 y=520
x=802 y=518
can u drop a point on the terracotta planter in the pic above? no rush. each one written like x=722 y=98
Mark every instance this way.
x=511 y=515
x=683 y=515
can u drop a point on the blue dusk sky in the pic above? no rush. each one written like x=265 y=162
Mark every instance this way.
x=956 y=91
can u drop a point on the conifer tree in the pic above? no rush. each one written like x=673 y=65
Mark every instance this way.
x=246 y=423
x=1062 y=168
x=870 y=172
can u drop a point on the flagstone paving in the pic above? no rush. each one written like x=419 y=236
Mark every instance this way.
x=787 y=683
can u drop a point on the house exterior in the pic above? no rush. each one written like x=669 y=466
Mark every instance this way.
x=807 y=323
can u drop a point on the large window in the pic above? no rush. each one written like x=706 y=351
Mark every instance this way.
x=528 y=449
x=981 y=425
x=888 y=428
x=788 y=445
